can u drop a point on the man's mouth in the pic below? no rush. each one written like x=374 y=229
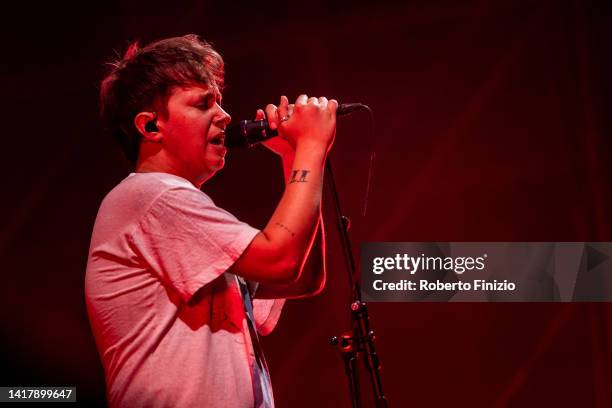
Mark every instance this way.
x=218 y=140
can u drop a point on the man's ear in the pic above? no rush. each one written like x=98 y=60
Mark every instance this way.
x=146 y=123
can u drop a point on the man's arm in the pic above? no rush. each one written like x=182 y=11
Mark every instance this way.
x=311 y=281
x=313 y=275
x=277 y=254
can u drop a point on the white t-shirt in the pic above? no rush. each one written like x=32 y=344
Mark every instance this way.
x=169 y=323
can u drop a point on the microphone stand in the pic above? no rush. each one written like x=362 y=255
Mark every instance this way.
x=360 y=339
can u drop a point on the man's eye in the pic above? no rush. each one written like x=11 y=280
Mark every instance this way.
x=207 y=103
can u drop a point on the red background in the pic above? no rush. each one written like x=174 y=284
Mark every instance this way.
x=492 y=124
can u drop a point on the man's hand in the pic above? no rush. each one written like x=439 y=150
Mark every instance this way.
x=308 y=121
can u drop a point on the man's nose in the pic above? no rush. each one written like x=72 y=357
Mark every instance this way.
x=223 y=118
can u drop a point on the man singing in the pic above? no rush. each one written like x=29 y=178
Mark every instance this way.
x=178 y=289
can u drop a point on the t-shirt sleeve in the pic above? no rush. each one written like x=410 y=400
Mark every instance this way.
x=188 y=241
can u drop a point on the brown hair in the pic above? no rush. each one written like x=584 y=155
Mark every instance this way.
x=145 y=77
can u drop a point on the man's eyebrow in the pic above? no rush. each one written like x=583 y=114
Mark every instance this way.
x=206 y=95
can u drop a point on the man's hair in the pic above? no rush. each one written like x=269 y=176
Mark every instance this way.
x=144 y=79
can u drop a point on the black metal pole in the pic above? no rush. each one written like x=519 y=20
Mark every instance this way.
x=361 y=338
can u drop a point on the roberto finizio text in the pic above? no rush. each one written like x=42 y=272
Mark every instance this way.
x=477 y=284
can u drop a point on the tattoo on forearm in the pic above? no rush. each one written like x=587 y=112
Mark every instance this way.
x=285 y=228
x=298 y=178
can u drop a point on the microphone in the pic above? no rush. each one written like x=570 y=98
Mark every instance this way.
x=247 y=133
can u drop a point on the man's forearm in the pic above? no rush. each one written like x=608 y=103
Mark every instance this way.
x=295 y=219
x=312 y=277
x=314 y=264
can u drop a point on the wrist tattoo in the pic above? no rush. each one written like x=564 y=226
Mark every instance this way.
x=299 y=176
x=285 y=228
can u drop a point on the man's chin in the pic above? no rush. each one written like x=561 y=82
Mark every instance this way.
x=218 y=165
x=214 y=160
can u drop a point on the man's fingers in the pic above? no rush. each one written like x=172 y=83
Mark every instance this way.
x=332 y=105
x=272 y=115
x=283 y=109
x=260 y=115
x=301 y=100
x=313 y=100
x=284 y=102
x=323 y=102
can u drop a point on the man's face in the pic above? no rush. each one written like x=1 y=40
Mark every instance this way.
x=193 y=131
